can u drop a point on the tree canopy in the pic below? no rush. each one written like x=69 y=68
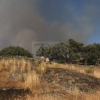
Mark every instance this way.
x=15 y=51
x=70 y=51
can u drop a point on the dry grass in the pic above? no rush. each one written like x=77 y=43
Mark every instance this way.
x=36 y=63
x=42 y=68
x=31 y=79
x=23 y=69
x=69 y=96
x=65 y=66
x=1 y=67
x=44 y=98
x=75 y=67
x=89 y=70
x=16 y=65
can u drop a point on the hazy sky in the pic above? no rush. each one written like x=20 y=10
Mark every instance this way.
x=25 y=21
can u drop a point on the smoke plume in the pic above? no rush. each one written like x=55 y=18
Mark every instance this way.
x=25 y=21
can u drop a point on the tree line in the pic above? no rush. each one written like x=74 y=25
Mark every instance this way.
x=71 y=51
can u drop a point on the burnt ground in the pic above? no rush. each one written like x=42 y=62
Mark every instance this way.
x=11 y=94
x=56 y=81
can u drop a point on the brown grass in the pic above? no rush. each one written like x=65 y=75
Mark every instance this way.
x=31 y=80
x=12 y=66
x=69 y=96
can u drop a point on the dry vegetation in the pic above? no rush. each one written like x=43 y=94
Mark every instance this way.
x=21 y=74
x=19 y=71
x=70 y=96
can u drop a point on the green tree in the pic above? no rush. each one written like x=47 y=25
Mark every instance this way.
x=75 y=47
x=75 y=50
x=92 y=53
x=60 y=51
x=43 y=51
x=15 y=51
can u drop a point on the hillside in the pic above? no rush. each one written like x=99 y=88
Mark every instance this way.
x=20 y=78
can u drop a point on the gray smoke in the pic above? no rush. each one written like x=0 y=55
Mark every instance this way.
x=21 y=24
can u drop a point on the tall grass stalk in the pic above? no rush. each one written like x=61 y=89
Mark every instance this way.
x=31 y=80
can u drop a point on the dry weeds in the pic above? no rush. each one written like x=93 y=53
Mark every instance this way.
x=31 y=79
x=69 y=96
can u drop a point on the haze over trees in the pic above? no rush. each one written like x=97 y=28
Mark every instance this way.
x=71 y=50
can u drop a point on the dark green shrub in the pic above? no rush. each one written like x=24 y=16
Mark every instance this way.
x=15 y=51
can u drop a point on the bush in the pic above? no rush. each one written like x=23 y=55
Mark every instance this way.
x=15 y=51
x=89 y=70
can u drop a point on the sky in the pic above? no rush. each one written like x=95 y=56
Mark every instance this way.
x=23 y=22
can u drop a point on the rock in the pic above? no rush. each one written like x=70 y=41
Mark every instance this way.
x=67 y=78
x=47 y=60
x=16 y=77
x=42 y=58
